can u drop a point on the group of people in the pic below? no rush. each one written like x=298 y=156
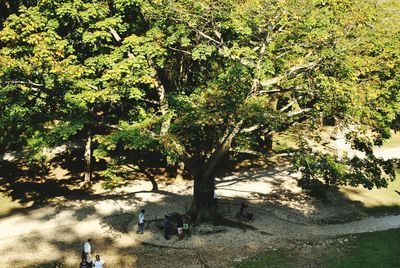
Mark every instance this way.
x=182 y=225
x=87 y=261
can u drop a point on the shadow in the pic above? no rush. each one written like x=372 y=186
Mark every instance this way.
x=83 y=212
x=64 y=238
x=234 y=224
x=18 y=182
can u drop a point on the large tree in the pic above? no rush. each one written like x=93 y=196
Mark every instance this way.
x=189 y=81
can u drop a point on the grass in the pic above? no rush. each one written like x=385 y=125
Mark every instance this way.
x=376 y=201
x=379 y=249
x=369 y=250
x=394 y=141
x=280 y=258
x=284 y=142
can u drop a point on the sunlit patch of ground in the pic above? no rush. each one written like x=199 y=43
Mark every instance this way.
x=7 y=204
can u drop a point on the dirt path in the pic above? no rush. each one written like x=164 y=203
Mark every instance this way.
x=36 y=237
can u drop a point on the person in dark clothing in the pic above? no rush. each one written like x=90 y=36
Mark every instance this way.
x=85 y=264
x=167 y=227
x=244 y=214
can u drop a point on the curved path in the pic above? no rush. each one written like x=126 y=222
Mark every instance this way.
x=267 y=227
x=30 y=234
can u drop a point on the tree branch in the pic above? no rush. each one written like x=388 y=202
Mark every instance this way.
x=250 y=129
x=164 y=107
x=223 y=147
x=293 y=113
x=209 y=38
x=287 y=106
x=292 y=72
x=29 y=82
x=114 y=34
x=180 y=50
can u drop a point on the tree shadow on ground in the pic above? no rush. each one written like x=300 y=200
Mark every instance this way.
x=28 y=185
x=67 y=241
x=18 y=182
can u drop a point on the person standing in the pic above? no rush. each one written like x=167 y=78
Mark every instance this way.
x=141 y=221
x=98 y=262
x=87 y=251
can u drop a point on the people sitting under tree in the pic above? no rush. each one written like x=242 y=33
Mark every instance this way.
x=186 y=221
x=244 y=214
x=167 y=227
x=180 y=228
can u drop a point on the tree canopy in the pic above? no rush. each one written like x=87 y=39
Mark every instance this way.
x=191 y=80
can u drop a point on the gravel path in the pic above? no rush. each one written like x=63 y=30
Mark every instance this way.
x=36 y=237
x=40 y=236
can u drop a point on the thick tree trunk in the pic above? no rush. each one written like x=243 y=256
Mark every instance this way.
x=88 y=159
x=268 y=140
x=150 y=175
x=203 y=208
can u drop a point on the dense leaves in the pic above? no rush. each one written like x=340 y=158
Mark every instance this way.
x=190 y=80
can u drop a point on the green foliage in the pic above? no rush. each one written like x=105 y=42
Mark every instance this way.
x=174 y=78
x=368 y=171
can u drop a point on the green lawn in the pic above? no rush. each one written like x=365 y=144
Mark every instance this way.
x=393 y=142
x=379 y=200
x=280 y=258
x=379 y=249
x=370 y=250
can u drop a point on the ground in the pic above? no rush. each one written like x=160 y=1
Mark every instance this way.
x=50 y=228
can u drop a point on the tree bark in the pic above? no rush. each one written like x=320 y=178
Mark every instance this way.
x=203 y=208
x=268 y=140
x=88 y=159
x=151 y=179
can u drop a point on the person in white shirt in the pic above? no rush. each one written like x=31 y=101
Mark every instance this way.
x=98 y=263
x=87 y=250
x=141 y=221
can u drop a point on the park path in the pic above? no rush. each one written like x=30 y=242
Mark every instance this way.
x=36 y=232
x=31 y=234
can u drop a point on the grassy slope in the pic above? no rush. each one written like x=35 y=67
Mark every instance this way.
x=370 y=250
x=379 y=249
x=377 y=199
